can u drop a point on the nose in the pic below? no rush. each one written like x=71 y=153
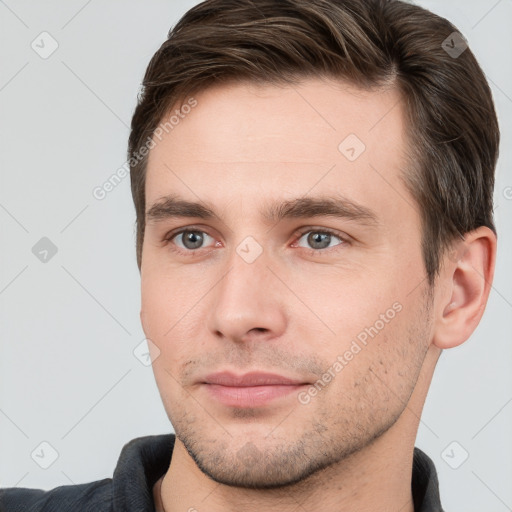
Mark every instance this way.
x=247 y=303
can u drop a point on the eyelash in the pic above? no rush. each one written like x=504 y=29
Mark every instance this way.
x=344 y=240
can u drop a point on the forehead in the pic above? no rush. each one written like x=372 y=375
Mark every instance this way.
x=246 y=140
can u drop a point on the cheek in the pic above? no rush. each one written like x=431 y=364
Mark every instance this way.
x=347 y=305
x=161 y=311
x=381 y=340
x=154 y=310
x=163 y=302
x=379 y=379
x=172 y=315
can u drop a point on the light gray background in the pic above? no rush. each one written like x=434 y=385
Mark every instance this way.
x=68 y=375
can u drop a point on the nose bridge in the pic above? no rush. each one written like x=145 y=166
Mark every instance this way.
x=245 y=299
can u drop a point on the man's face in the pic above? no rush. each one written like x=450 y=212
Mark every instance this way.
x=334 y=303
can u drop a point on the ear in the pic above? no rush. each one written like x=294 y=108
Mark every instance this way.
x=465 y=283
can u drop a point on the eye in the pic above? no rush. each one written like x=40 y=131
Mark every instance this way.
x=320 y=239
x=189 y=239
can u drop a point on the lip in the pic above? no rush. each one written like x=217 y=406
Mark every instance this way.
x=253 y=389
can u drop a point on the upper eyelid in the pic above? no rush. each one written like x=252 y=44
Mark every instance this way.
x=179 y=231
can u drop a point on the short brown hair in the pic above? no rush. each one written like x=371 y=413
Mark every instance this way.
x=451 y=122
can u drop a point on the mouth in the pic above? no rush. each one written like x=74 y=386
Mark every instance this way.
x=254 y=389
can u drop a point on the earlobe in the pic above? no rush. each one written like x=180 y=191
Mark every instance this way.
x=466 y=283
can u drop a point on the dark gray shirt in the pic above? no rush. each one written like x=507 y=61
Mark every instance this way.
x=141 y=463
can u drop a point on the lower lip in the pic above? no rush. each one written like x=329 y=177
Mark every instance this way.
x=249 y=396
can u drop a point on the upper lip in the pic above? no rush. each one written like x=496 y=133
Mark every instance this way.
x=250 y=379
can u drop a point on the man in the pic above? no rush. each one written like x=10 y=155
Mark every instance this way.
x=313 y=186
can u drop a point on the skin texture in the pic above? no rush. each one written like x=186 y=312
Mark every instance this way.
x=297 y=307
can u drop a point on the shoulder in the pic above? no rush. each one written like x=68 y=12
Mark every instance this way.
x=141 y=463
x=93 y=496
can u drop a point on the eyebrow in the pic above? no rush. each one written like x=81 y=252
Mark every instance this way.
x=340 y=207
